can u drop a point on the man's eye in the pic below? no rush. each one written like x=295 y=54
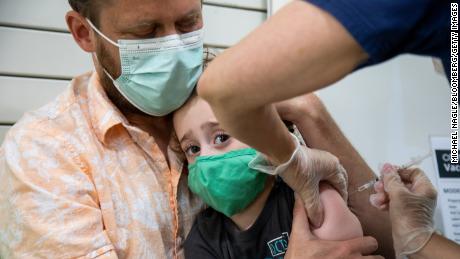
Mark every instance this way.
x=147 y=32
x=221 y=138
x=188 y=25
x=192 y=150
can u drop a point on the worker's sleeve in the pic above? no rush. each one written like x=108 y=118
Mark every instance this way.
x=49 y=207
x=385 y=28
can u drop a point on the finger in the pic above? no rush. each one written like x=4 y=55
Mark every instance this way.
x=387 y=167
x=339 y=180
x=373 y=201
x=419 y=183
x=392 y=182
x=300 y=225
x=378 y=204
x=383 y=207
x=374 y=257
x=378 y=186
x=363 y=245
x=410 y=175
x=314 y=209
x=378 y=199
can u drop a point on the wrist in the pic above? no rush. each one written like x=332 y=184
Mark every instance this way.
x=285 y=153
x=425 y=251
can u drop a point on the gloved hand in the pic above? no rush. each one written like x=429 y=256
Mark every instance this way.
x=411 y=200
x=303 y=172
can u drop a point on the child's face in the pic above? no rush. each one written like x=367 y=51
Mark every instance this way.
x=199 y=133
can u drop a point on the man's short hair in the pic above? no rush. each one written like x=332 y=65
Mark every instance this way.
x=90 y=8
x=87 y=8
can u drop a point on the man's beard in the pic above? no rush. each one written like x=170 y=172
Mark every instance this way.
x=107 y=62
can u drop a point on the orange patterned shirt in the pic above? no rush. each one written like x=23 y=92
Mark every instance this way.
x=78 y=181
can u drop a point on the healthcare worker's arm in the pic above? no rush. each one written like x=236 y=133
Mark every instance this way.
x=300 y=49
x=438 y=247
x=320 y=131
x=410 y=198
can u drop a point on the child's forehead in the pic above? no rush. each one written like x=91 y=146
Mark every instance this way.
x=194 y=115
x=196 y=106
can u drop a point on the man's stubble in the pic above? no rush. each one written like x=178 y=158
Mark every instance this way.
x=108 y=62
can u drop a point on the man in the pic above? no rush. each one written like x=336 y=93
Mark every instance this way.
x=91 y=174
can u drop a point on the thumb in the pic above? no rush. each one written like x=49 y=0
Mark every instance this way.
x=339 y=179
x=314 y=208
x=300 y=225
x=392 y=181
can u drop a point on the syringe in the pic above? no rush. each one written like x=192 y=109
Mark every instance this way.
x=414 y=161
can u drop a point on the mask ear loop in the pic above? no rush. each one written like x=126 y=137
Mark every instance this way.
x=117 y=86
x=101 y=34
x=103 y=68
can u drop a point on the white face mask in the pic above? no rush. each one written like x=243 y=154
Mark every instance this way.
x=159 y=74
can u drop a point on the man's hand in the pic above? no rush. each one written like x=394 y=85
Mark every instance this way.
x=303 y=244
x=411 y=199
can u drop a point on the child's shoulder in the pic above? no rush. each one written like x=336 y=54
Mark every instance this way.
x=204 y=238
x=207 y=222
x=284 y=190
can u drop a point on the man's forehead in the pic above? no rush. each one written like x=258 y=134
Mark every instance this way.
x=130 y=11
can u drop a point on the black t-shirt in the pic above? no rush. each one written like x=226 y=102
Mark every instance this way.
x=214 y=235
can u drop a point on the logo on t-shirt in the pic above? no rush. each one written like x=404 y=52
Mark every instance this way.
x=278 y=246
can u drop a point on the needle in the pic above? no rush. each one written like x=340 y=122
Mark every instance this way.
x=413 y=162
x=416 y=161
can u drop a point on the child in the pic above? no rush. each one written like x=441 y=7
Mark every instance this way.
x=250 y=213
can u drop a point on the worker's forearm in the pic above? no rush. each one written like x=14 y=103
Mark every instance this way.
x=320 y=131
x=438 y=247
x=275 y=63
x=260 y=128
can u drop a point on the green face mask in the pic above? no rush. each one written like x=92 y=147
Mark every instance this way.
x=225 y=182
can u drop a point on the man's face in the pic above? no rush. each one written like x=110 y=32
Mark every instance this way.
x=140 y=19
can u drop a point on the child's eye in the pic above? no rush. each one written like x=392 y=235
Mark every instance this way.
x=221 y=138
x=192 y=150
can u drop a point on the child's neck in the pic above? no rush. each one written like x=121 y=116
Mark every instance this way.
x=246 y=218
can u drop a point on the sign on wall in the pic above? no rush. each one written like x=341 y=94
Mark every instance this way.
x=448 y=180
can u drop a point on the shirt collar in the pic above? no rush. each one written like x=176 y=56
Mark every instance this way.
x=103 y=113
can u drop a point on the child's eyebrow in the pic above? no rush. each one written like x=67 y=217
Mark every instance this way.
x=187 y=135
x=209 y=125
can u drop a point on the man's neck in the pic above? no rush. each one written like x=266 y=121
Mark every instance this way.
x=245 y=219
x=159 y=128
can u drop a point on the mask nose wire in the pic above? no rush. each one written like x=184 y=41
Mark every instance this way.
x=101 y=34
